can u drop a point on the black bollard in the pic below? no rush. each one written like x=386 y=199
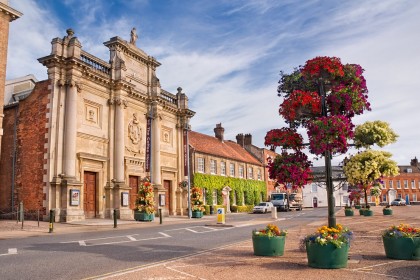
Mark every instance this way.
x=51 y=229
x=160 y=215
x=115 y=218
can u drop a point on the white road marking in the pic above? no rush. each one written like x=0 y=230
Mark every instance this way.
x=131 y=238
x=82 y=243
x=10 y=251
x=164 y=234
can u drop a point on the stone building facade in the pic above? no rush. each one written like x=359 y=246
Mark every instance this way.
x=7 y=14
x=87 y=136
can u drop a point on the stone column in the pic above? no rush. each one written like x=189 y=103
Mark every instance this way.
x=156 y=172
x=70 y=131
x=120 y=105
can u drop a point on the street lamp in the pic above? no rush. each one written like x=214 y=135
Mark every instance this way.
x=187 y=167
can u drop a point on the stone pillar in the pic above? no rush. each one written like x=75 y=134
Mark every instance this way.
x=70 y=131
x=156 y=170
x=120 y=105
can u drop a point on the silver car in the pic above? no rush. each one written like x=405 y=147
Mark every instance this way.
x=398 y=202
x=263 y=207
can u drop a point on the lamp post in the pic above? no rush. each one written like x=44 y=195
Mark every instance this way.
x=187 y=167
x=327 y=156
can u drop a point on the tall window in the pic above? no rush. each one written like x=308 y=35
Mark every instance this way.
x=391 y=186
x=213 y=169
x=259 y=174
x=232 y=169
x=384 y=198
x=250 y=173
x=414 y=197
x=405 y=184
x=214 y=197
x=314 y=188
x=345 y=187
x=204 y=196
x=241 y=171
x=398 y=184
x=413 y=184
x=223 y=168
x=200 y=164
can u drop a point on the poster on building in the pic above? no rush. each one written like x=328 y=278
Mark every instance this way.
x=124 y=199
x=161 y=200
x=185 y=138
x=148 y=143
x=74 y=197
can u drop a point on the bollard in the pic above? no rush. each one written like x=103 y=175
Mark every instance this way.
x=160 y=215
x=20 y=211
x=51 y=221
x=274 y=212
x=115 y=218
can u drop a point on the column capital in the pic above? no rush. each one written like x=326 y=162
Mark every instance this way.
x=118 y=101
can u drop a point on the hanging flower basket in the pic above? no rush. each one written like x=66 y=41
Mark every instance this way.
x=285 y=138
x=321 y=65
x=329 y=134
x=145 y=202
x=300 y=105
x=197 y=205
x=291 y=169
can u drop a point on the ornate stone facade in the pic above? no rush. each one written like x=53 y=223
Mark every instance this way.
x=95 y=150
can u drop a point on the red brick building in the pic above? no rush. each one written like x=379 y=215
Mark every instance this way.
x=406 y=185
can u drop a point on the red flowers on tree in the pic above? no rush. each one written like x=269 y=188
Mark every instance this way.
x=285 y=137
x=315 y=67
x=298 y=103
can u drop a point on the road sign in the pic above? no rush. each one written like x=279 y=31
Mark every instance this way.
x=220 y=215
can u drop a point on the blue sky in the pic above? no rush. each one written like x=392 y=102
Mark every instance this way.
x=227 y=54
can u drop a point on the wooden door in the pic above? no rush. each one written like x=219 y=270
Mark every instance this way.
x=89 y=194
x=167 y=186
x=315 y=202
x=134 y=189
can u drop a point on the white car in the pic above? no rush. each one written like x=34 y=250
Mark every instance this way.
x=263 y=207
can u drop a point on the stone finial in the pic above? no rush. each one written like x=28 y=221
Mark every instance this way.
x=179 y=89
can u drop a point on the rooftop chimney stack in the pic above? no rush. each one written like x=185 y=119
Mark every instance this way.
x=240 y=139
x=248 y=139
x=414 y=162
x=219 y=131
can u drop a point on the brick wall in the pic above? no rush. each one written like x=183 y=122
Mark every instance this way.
x=31 y=138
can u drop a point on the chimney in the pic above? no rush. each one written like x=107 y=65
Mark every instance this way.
x=248 y=139
x=414 y=162
x=219 y=131
x=240 y=139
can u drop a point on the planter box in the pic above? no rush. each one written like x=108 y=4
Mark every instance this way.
x=387 y=211
x=361 y=211
x=367 y=212
x=144 y=217
x=349 y=212
x=357 y=206
x=196 y=214
x=327 y=256
x=402 y=248
x=268 y=246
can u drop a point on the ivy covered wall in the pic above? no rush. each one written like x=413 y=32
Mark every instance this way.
x=247 y=192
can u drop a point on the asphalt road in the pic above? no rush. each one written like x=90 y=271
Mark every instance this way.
x=86 y=254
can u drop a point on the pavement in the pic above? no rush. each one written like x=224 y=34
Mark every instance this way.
x=367 y=258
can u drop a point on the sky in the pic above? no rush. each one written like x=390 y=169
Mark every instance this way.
x=227 y=54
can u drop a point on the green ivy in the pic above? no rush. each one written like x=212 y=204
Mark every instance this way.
x=253 y=190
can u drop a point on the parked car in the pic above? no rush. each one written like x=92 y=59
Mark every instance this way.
x=398 y=202
x=263 y=207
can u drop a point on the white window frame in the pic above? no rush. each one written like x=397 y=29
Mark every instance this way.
x=241 y=171
x=250 y=173
x=259 y=177
x=213 y=166
x=314 y=188
x=405 y=184
x=200 y=165
x=223 y=168
x=391 y=184
x=232 y=169
x=413 y=184
x=214 y=197
x=414 y=197
x=398 y=184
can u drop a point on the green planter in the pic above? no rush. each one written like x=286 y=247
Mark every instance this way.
x=357 y=206
x=387 y=211
x=361 y=211
x=327 y=256
x=367 y=212
x=402 y=248
x=349 y=212
x=268 y=246
x=144 y=217
x=197 y=214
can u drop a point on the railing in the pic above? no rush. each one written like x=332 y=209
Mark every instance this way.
x=96 y=63
x=171 y=98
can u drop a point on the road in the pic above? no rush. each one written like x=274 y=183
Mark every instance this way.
x=87 y=254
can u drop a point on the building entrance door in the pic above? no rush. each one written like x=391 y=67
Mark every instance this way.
x=134 y=189
x=315 y=200
x=89 y=194
x=168 y=187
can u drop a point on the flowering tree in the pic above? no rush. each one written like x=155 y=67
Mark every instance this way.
x=366 y=168
x=322 y=96
x=145 y=198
